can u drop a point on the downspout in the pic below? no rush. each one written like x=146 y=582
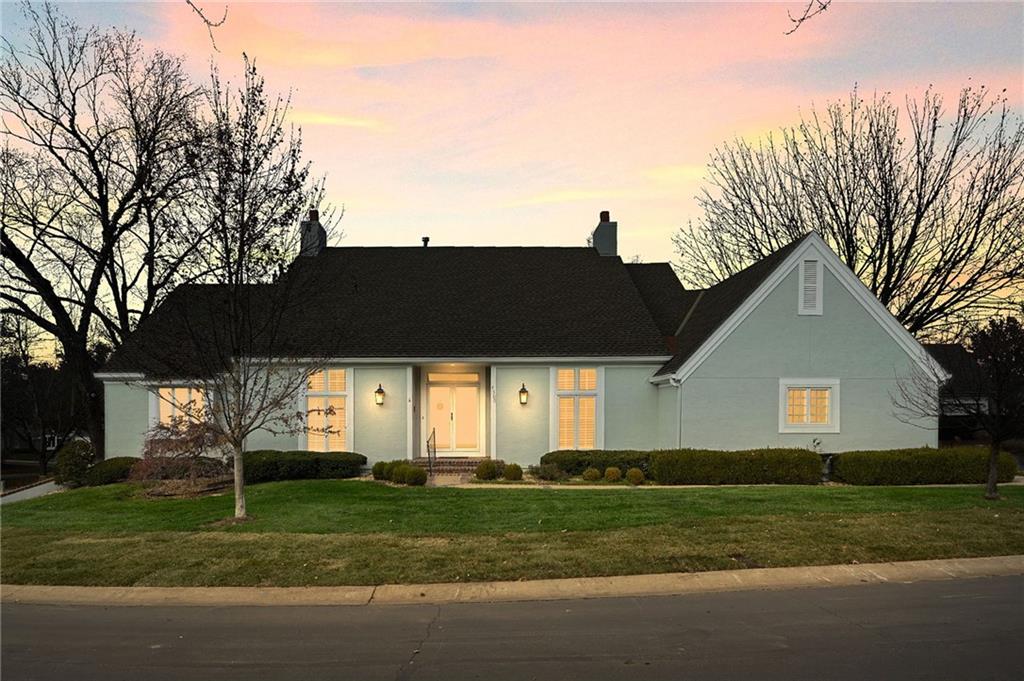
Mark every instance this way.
x=673 y=381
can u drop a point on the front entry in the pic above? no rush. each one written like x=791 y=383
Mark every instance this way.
x=454 y=416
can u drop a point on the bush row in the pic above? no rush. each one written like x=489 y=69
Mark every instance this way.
x=923 y=466
x=492 y=469
x=400 y=472
x=266 y=465
x=748 y=467
x=574 y=462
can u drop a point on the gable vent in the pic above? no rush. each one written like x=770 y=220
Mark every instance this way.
x=810 y=287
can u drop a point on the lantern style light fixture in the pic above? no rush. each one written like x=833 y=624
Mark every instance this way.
x=378 y=395
x=524 y=394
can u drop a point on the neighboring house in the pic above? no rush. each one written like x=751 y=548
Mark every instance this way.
x=965 y=387
x=512 y=352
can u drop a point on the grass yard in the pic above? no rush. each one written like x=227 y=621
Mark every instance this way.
x=326 y=532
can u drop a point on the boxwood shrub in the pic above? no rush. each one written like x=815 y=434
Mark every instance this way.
x=923 y=466
x=73 y=462
x=574 y=462
x=266 y=465
x=109 y=471
x=400 y=472
x=748 y=467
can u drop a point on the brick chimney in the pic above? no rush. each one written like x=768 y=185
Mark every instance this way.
x=605 y=236
x=314 y=236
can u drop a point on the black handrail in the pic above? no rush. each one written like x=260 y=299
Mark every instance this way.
x=431 y=451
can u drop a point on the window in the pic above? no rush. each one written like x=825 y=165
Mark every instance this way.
x=326 y=407
x=810 y=288
x=576 y=393
x=808 y=405
x=179 y=402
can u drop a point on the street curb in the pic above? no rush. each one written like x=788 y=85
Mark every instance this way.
x=678 y=583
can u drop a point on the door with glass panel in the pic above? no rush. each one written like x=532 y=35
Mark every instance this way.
x=454 y=414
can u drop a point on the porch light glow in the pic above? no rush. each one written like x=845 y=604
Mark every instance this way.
x=378 y=395
x=524 y=394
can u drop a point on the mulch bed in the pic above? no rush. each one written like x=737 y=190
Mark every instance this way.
x=187 y=489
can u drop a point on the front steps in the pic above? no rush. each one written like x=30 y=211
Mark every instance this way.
x=451 y=465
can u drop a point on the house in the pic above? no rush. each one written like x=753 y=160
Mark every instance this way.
x=513 y=352
x=965 y=387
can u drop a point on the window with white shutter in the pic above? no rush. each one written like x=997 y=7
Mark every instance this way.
x=810 y=288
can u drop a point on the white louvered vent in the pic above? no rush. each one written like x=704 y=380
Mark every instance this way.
x=810 y=287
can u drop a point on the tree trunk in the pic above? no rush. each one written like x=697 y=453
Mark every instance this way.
x=991 y=492
x=91 y=392
x=239 y=486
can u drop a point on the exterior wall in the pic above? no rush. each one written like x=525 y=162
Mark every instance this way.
x=668 y=417
x=126 y=417
x=631 y=408
x=380 y=432
x=732 y=400
x=522 y=429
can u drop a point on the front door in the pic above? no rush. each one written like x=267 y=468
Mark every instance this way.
x=454 y=417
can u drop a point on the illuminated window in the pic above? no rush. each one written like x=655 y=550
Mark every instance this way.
x=326 y=408
x=809 y=405
x=577 y=408
x=180 y=402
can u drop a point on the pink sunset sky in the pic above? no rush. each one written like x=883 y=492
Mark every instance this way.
x=502 y=124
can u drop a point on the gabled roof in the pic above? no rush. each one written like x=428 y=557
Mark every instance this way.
x=966 y=377
x=666 y=299
x=717 y=304
x=443 y=302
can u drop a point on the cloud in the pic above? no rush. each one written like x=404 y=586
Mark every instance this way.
x=324 y=118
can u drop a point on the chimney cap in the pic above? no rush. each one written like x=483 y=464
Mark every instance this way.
x=606 y=216
x=314 y=215
x=426 y=240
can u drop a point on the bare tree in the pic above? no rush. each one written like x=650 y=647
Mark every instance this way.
x=986 y=386
x=930 y=222
x=97 y=133
x=233 y=340
x=811 y=9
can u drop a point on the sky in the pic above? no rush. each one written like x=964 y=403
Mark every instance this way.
x=515 y=124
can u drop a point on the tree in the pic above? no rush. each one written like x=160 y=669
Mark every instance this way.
x=253 y=186
x=94 y=168
x=930 y=222
x=986 y=386
x=40 y=406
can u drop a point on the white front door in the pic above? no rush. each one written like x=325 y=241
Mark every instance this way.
x=454 y=417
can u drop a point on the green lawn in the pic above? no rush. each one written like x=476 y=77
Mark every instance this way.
x=353 y=532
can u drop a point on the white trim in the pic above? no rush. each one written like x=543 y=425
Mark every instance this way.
x=409 y=413
x=552 y=409
x=492 y=434
x=801 y=305
x=833 y=405
x=599 y=419
x=597 y=393
x=349 y=393
x=114 y=376
x=594 y=360
x=845 y=277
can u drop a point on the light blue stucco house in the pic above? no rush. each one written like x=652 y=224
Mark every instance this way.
x=512 y=352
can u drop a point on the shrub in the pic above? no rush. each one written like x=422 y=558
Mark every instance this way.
x=152 y=467
x=635 y=476
x=923 y=466
x=268 y=465
x=513 y=472
x=398 y=473
x=750 y=467
x=414 y=475
x=109 y=471
x=379 y=470
x=574 y=462
x=73 y=461
x=487 y=470
x=612 y=474
x=591 y=475
x=548 y=471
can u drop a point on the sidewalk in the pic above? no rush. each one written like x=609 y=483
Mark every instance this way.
x=538 y=590
x=31 y=492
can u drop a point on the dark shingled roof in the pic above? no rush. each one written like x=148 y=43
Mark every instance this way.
x=716 y=304
x=966 y=377
x=667 y=300
x=432 y=302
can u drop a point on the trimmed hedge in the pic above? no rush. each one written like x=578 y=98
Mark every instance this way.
x=749 y=467
x=923 y=466
x=513 y=472
x=574 y=462
x=266 y=465
x=109 y=471
x=400 y=472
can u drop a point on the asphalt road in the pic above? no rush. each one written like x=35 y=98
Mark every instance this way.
x=966 y=629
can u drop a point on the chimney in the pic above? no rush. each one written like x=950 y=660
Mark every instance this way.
x=426 y=241
x=314 y=236
x=605 y=237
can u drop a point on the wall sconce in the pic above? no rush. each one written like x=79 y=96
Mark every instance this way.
x=524 y=394
x=378 y=395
